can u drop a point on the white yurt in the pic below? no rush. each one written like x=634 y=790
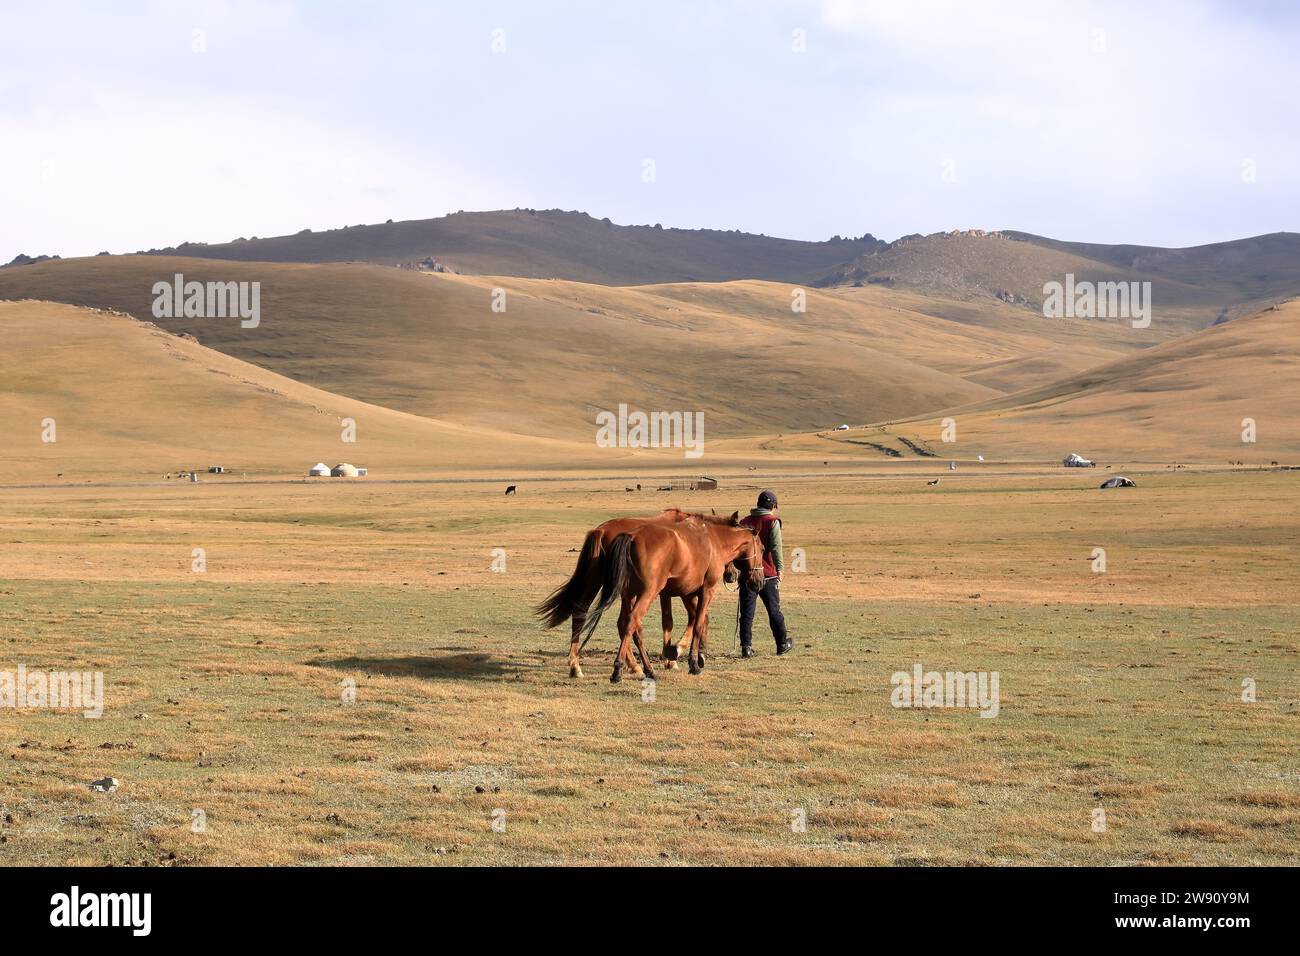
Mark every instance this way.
x=344 y=470
x=319 y=470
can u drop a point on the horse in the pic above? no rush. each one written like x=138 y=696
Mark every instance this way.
x=680 y=559
x=572 y=599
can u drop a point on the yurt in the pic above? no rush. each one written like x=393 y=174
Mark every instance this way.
x=344 y=470
x=319 y=470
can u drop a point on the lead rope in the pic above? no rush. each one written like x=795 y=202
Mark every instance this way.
x=735 y=637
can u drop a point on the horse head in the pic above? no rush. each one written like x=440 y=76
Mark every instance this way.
x=750 y=561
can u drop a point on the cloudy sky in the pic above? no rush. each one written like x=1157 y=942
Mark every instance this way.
x=131 y=125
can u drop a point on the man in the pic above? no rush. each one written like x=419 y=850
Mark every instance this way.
x=769 y=533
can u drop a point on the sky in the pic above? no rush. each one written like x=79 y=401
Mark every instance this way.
x=129 y=126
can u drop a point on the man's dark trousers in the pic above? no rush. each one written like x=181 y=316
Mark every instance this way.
x=771 y=595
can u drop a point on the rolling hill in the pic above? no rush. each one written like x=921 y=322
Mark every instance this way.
x=552 y=244
x=1247 y=271
x=1185 y=400
x=431 y=345
x=130 y=400
x=1190 y=288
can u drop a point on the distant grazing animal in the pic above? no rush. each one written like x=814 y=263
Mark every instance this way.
x=932 y=483
x=511 y=490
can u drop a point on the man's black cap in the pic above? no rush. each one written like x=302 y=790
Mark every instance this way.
x=767 y=499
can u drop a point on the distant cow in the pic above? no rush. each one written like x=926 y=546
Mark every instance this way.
x=510 y=490
x=933 y=483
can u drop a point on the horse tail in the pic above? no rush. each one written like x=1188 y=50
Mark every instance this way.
x=617 y=565
x=576 y=593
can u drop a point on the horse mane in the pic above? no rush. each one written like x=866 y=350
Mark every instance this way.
x=707 y=519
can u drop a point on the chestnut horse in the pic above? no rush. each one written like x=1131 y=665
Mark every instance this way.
x=684 y=559
x=572 y=599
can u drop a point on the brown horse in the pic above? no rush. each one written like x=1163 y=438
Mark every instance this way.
x=683 y=559
x=572 y=599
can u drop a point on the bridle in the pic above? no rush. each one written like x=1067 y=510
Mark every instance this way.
x=755 y=559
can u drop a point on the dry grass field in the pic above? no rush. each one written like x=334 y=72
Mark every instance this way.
x=1120 y=690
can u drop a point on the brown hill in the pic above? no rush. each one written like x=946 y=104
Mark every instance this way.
x=1185 y=400
x=1244 y=271
x=130 y=400
x=552 y=244
x=431 y=345
x=1191 y=288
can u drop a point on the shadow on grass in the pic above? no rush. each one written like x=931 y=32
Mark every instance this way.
x=447 y=666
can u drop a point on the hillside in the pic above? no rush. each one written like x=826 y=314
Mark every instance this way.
x=430 y=344
x=1243 y=270
x=1190 y=288
x=552 y=244
x=1184 y=400
x=130 y=400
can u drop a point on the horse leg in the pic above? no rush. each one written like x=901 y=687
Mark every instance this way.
x=624 y=639
x=684 y=645
x=629 y=659
x=575 y=668
x=700 y=636
x=648 y=671
x=629 y=627
x=666 y=614
x=639 y=611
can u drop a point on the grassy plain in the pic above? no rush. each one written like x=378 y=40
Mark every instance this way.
x=1120 y=690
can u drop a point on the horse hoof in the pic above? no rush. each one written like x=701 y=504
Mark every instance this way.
x=615 y=677
x=575 y=671
x=670 y=665
x=701 y=666
x=649 y=674
x=670 y=652
x=694 y=668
